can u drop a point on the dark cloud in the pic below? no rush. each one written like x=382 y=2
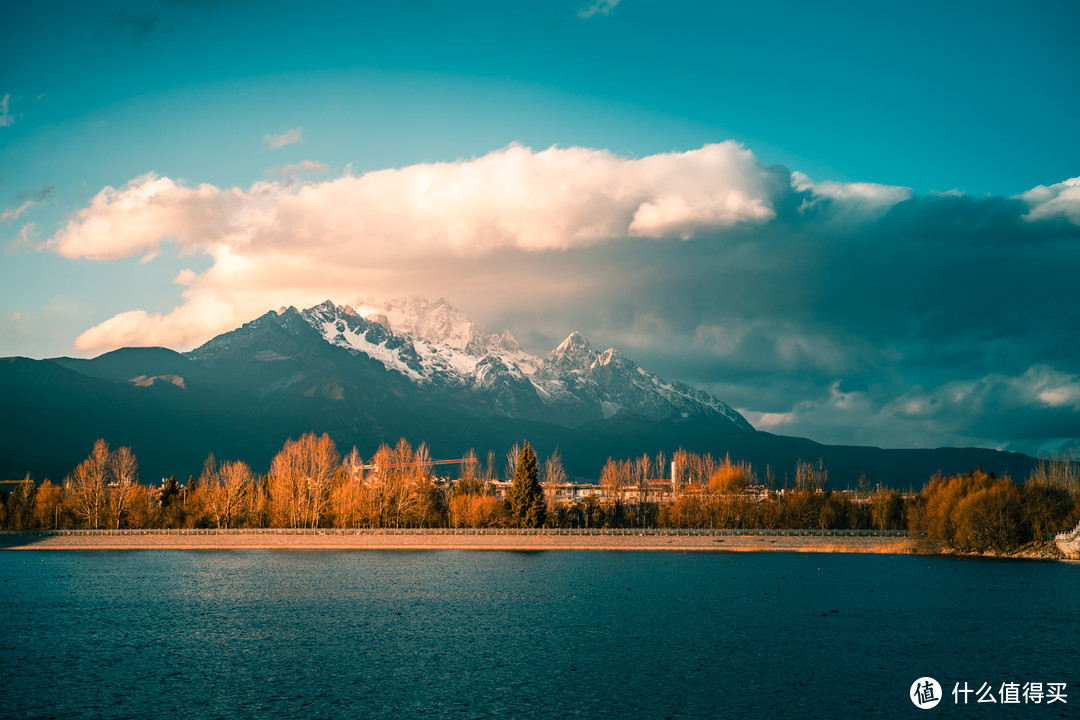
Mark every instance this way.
x=155 y=17
x=36 y=195
x=140 y=24
x=844 y=312
x=922 y=327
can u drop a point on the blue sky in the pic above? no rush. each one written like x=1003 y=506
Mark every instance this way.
x=911 y=136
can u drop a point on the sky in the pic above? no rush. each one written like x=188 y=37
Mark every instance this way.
x=854 y=222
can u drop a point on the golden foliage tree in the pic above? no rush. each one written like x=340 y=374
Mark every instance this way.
x=123 y=488
x=300 y=480
x=226 y=493
x=48 y=505
x=88 y=485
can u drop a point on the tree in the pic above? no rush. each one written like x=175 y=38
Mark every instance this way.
x=20 y=505
x=47 y=505
x=525 y=498
x=887 y=509
x=731 y=478
x=513 y=457
x=811 y=478
x=300 y=477
x=88 y=485
x=227 y=491
x=124 y=469
x=616 y=483
x=170 y=490
x=347 y=497
x=554 y=476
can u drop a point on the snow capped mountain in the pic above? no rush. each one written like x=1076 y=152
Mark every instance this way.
x=437 y=347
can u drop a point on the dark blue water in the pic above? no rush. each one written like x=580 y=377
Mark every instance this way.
x=525 y=635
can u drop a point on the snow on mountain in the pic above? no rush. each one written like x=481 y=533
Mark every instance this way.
x=437 y=346
x=439 y=323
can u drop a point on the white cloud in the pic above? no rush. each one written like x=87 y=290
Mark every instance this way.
x=1049 y=387
x=6 y=118
x=600 y=7
x=1061 y=200
x=766 y=420
x=513 y=198
x=515 y=223
x=289 y=137
x=288 y=242
x=14 y=213
x=135 y=219
x=858 y=201
x=25 y=239
x=304 y=167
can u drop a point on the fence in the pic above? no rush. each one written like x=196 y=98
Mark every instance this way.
x=720 y=532
x=1069 y=536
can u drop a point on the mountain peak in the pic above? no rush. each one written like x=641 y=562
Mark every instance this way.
x=437 y=322
x=574 y=354
x=575 y=344
x=611 y=356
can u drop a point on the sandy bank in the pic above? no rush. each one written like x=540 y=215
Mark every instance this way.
x=707 y=543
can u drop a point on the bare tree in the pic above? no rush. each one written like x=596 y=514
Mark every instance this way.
x=20 y=505
x=642 y=469
x=512 y=457
x=300 y=479
x=124 y=477
x=661 y=468
x=47 y=503
x=810 y=477
x=489 y=474
x=227 y=492
x=615 y=481
x=553 y=475
x=87 y=485
x=346 y=501
x=1058 y=471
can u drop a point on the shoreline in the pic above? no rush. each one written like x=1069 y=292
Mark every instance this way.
x=507 y=541
x=498 y=542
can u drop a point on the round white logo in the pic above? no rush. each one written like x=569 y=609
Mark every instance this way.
x=925 y=692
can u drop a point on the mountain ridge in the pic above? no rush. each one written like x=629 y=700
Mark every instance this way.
x=288 y=372
x=437 y=346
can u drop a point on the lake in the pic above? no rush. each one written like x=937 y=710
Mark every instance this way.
x=459 y=634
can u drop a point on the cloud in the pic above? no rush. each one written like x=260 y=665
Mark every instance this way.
x=6 y=118
x=600 y=7
x=12 y=214
x=1034 y=412
x=846 y=312
x=280 y=241
x=855 y=202
x=1059 y=201
x=135 y=219
x=25 y=239
x=38 y=196
x=141 y=25
x=304 y=167
x=289 y=137
x=515 y=198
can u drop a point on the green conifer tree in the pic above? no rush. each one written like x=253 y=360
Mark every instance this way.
x=525 y=499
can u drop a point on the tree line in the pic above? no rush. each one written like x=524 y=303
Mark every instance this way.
x=309 y=484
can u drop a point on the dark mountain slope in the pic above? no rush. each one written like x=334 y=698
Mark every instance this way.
x=244 y=393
